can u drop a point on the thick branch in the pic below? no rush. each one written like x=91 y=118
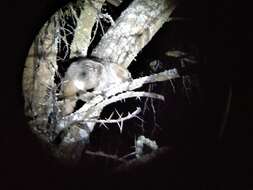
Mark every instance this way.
x=133 y=30
x=40 y=68
x=82 y=37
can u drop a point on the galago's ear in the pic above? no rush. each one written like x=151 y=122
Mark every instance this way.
x=94 y=66
x=121 y=72
x=99 y=68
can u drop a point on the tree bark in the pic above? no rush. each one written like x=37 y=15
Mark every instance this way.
x=38 y=77
x=133 y=30
x=83 y=31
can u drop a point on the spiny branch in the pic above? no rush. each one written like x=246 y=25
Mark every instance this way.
x=95 y=110
x=129 y=94
x=94 y=107
x=109 y=120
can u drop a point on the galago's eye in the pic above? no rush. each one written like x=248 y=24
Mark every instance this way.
x=83 y=74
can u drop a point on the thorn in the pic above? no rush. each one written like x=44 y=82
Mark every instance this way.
x=102 y=123
x=130 y=154
x=121 y=125
x=139 y=118
x=110 y=117
x=138 y=98
x=120 y=129
x=120 y=115
x=135 y=139
x=116 y=111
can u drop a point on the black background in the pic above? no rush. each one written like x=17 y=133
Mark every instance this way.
x=211 y=163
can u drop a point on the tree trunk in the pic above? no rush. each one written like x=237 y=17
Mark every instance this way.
x=133 y=30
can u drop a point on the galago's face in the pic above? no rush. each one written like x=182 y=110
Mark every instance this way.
x=83 y=75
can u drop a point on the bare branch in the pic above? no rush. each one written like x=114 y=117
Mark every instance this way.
x=103 y=122
x=120 y=119
x=96 y=97
x=129 y=94
x=133 y=30
x=95 y=110
x=175 y=54
x=99 y=100
x=107 y=18
x=137 y=83
x=84 y=27
x=105 y=156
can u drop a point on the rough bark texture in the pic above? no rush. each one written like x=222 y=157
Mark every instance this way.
x=85 y=23
x=133 y=30
x=40 y=96
x=38 y=77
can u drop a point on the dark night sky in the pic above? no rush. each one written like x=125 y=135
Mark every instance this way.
x=211 y=164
